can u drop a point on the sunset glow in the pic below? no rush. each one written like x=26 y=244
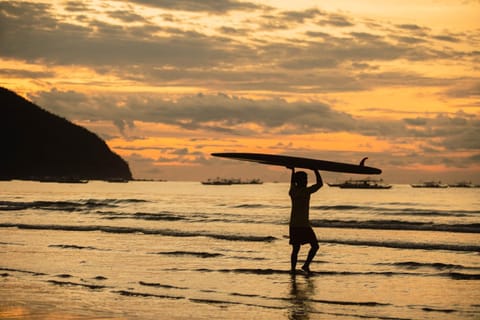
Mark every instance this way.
x=165 y=83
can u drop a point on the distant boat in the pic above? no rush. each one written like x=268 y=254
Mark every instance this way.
x=62 y=180
x=335 y=184
x=217 y=182
x=362 y=184
x=117 y=180
x=252 y=181
x=150 y=180
x=463 y=184
x=430 y=184
x=227 y=182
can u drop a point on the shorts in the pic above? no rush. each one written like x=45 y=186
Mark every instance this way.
x=302 y=235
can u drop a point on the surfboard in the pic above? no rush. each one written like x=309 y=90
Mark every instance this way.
x=298 y=162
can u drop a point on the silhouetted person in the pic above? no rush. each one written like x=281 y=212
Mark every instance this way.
x=301 y=231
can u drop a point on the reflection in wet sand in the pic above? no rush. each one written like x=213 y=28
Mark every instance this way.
x=301 y=290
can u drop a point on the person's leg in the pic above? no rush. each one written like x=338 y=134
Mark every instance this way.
x=311 y=254
x=294 y=256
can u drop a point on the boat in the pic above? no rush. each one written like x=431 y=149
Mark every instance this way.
x=363 y=184
x=227 y=182
x=217 y=182
x=117 y=180
x=430 y=184
x=462 y=184
x=62 y=180
x=252 y=181
x=336 y=184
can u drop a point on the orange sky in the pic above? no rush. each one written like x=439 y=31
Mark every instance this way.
x=166 y=83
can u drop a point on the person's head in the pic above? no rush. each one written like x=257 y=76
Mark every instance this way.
x=300 y=178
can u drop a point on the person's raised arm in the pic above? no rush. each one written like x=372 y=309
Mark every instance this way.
x=318 y=184
x=292 y=176
x=292 y=180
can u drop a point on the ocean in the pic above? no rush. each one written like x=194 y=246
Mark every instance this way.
x=183 y=250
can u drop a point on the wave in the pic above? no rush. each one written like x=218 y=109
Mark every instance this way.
x=321 y=223
x=84 y=285
x=413 y=265
x=70 y=246
x=160 y=216
x=405 y=211
x=311 y=274
x=237 y=237
x=163 y=232
x=226 y=302
x=428 y=212
x=11 y=244
x=251 y=206
x=427 y=309
x=147 y=295
x=70 y=206
x=341 y=207
x=195 y=300
x=189 y=253
x=397 y=225
x=23 y=271
x=368 y=308
x=193 y=217
x=462 y=276
x=405 y=245
x=205 y=255
x=258 y=296
x=255 y=271
x=451 y=275
x=158 y=285
x=200 y=300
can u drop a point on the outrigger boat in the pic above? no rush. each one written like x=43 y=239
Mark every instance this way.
x=463 y=184
x=430 y=184
x=361 y=184
x=227 y=182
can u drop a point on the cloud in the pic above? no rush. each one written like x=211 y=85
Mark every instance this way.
x=301 y=16
x=291 y=19
x=144 y=166
x=208 y=112
x=31 y=32
x=234 y=31
x=153 y=50
x=413 y=27
x=21 y=73
x=210 y=6
x=95 y=42
x=76 y=6
x=465 y=140
x=408 y=39
x=122 y=124
x=213 y=112
x=127 y=16
x=451 y=132
x=237 y=116
x=447 y=38
x=464 y=89
x=337 y=20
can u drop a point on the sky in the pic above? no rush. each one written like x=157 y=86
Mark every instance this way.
x=166 y=83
